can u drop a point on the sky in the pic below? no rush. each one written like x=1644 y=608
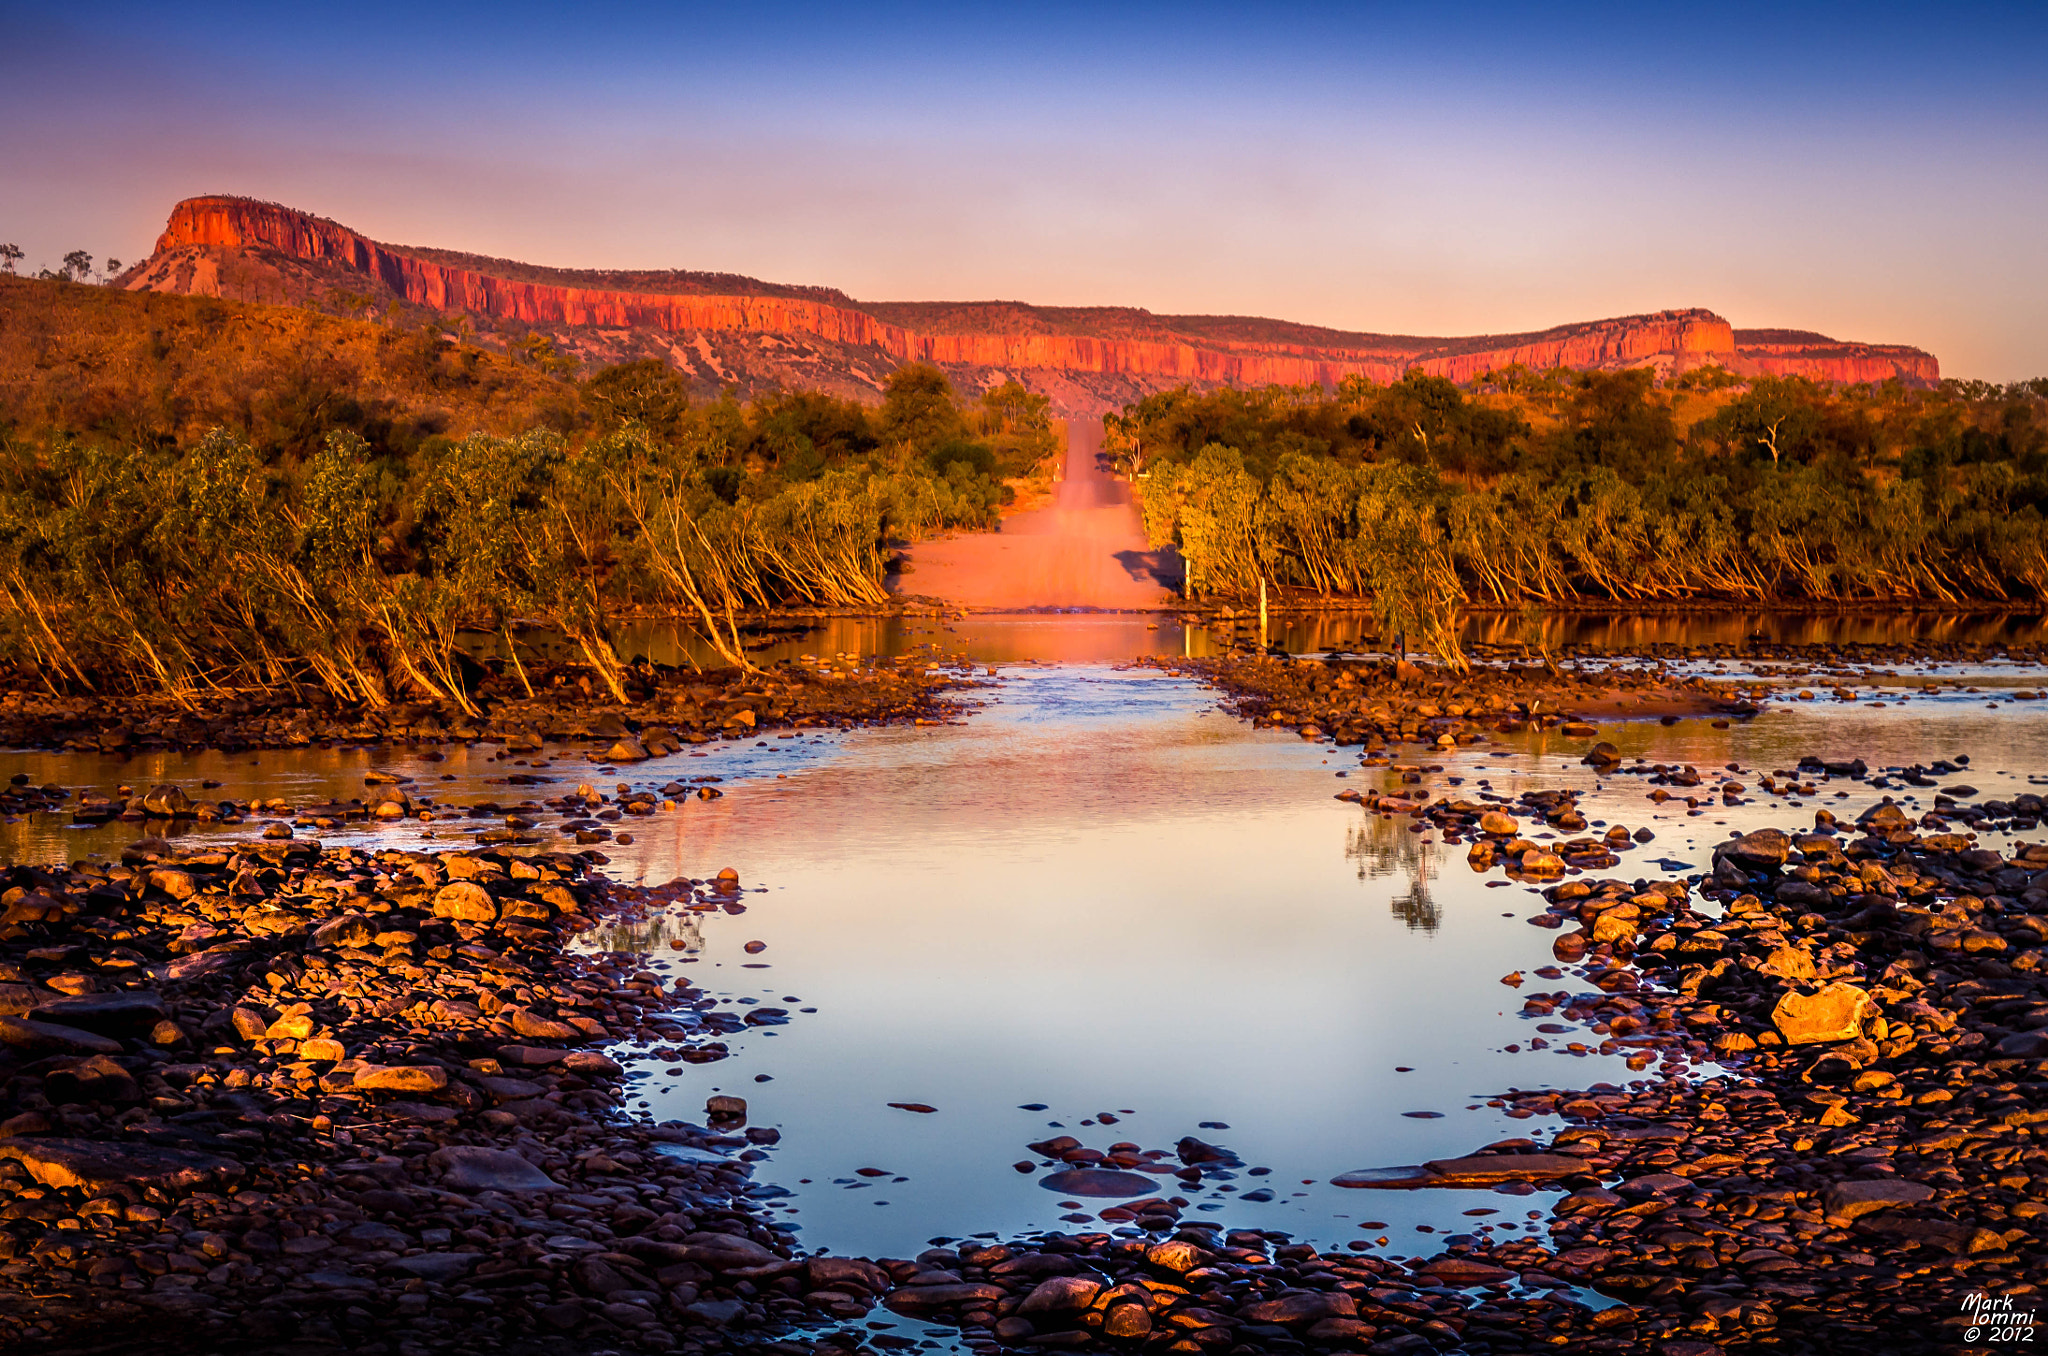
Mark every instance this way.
x=1874 y=172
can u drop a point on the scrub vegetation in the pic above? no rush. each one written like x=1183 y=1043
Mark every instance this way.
x=1562 y=489
x=199 y=495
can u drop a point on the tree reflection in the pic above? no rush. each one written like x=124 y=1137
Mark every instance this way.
x=652 y=933
x=1382 y=847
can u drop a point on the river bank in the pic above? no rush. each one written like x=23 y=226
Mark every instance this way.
x=666 y=706
x=1138 y=1267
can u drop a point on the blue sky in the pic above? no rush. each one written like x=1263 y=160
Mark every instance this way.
x=1874 y=172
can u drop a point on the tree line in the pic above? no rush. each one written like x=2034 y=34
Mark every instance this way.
x=1559 y=489
x=298 y=503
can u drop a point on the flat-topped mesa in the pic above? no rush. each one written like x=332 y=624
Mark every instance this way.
x=1109 y=353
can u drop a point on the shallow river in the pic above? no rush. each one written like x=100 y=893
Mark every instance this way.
x=1101 y=894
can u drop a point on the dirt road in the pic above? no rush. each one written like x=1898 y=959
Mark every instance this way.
x=1088 y=550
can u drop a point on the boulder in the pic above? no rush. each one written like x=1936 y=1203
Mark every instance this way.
x=166 y=801
x=97 y=1166
x=466 y=900
x=37 y=1039
x=1789 y=962
x=127 y=1012
x=467 y=1167
x=1836 y=1012
x=1061 y=1295
x=1764 y=850
x=1462 y=1271
x=402 y=1078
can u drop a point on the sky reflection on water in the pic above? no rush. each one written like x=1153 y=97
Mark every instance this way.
x=1103 y=894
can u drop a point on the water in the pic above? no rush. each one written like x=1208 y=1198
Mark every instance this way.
x=1102 y=894
x=994 y=637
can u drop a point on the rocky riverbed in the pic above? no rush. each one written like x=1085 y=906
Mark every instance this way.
x=292 y=1094
x=665 y=706
x=1378 y=703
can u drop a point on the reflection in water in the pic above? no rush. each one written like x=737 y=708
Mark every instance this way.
x=1384 y=847
x=1100 y=892
x=1017 y=637
x=657 y=934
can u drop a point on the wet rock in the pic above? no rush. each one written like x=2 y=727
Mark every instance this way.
x=1099 y=1182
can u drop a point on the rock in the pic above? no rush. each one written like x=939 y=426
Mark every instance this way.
x=725 y=1105
x=1478 y=1170
x=1789 y=962
x=465 y=900
x=48 y=1038
x=2025 y=1045
x=1851 y=1200
x=96 y=1078
x=1463 y=1271
x=1306 y=1307
x=1602 y=755
x=173 y=882
x=1061 y=1295
x=127 y=1012
x=717 y=1313
x=467 y=1167
x=435 y=1266
x=1176 y=1256
x=1504 y=825
x=839 y=1271
x=536 y=1027
x=1764 y=850
x=1834 y=1013
x=1099 y=1182
x=166 y=802
x=349 y=930
x=725 y=1252
x=96 y=1166
x=401 y=1078
x=1486 y=1169
x=626 y=751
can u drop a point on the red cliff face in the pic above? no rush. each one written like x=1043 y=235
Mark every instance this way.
x=209 y=227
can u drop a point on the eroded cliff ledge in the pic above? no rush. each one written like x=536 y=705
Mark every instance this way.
x=1088 y=357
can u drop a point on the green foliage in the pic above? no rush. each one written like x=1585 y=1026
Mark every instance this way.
x=374 y=564
x=1421 y=495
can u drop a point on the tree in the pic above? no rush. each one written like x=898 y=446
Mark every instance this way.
x=10 y=255
x=112 y=270
x=77 y=266
x=918 y=408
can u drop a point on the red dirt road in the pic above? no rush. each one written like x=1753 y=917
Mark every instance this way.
x=1088 y=550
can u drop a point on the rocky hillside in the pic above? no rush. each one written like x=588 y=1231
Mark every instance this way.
x=723 y=329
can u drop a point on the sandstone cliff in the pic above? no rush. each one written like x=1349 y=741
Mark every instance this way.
x=722 y=328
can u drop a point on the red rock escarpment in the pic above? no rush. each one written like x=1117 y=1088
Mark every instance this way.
x=1224 y=350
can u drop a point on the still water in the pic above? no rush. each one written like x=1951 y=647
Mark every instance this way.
x=1102 y=894
x=1088 y=636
